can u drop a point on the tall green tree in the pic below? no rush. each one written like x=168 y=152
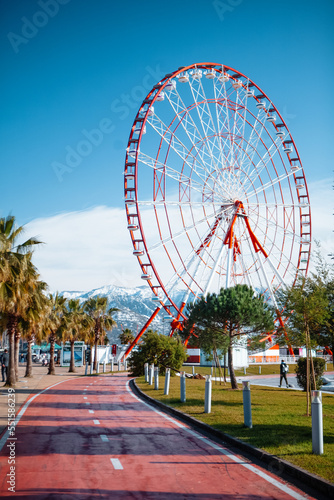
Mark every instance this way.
x=15 y=264
x=31 y=325
x=306 y=306
x=220 y=319
x=54 y=324
x=75 y=327
x=126 y=337
x=96 y=308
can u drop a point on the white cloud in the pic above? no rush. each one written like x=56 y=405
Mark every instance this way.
x=92 y=248
x=85 y=250
x=322 y=209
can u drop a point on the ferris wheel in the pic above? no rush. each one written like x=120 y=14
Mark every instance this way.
x=215 y=191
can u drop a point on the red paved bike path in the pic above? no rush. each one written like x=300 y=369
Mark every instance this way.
x=89 y=438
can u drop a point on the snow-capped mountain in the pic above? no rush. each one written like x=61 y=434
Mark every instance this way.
x=135 y=307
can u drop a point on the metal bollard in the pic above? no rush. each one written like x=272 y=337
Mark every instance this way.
x=260 y=370
x=112 y=364
x=208 y=391
x=104 y=367
x=325 y=367
x=146 y=372
x=211 y=371
x=119 y=365
x=183 y=387
x=156 y=378
x=244 y=370
x=86 y=368
x=167 y=381
x=98 y=367
x=317 y=425
x=150 y=374
x=125 y=365
x=246 y=394
x=193 y=370
x=91 y=368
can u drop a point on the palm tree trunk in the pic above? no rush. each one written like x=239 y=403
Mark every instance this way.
x=17 y=353
x=72 y=364
x=11 y=328
x=29 y=360
x=95 y=353
x=96 y=341
x=52 y=341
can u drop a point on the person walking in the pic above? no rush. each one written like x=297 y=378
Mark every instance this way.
x=4 y=365
x=283 y=371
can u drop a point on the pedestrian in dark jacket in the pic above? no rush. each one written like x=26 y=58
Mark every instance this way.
x=283 y=371
x=4 y=365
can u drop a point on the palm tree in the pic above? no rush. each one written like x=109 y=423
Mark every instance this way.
x=15 y=263
x=54 y=323
x=31 y=285
x=96 y=308
x=77 y=323
x=32 y=325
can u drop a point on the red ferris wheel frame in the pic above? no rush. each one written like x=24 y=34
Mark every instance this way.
x=132 y=205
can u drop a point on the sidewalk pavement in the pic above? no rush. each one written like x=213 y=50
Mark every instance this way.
x=26 y=387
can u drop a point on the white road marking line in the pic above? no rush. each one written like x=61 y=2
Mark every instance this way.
x=91 y=411
x=96 y=422
x=104 y=437
x=4 y=438
x=85 y=397
x=266 y=477
x=116 y=463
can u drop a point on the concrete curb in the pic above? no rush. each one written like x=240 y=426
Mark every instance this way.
x=276 y=465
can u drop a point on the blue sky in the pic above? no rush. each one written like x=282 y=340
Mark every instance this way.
x=68 y=66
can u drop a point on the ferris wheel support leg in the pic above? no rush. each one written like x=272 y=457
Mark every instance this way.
x=214 y=269
x=142 y=331
x=228 y=267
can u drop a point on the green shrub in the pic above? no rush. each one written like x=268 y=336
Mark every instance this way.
x=164 y=352
x=319 y=368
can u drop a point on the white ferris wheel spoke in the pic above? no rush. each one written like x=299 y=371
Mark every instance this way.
x=170 y=172
x=200 y=168
x=269 y=184
x=191 y=129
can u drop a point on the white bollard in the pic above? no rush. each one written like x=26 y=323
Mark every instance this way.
x=112 y=364
x=244 y=370
x=246 y=394
x=183 y=387
x=146 y=372
x=125 y=365
x=208 y=391
x=156 y=378
x=91 y=368
x=104 y=367
x=119 y=365
x=86 y=368
x=193 y=370
x=150 y=374
x=317 y=425
x=98 y=367
x=260 y=370
x=167 y=382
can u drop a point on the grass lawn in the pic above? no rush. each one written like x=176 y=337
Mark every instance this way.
x=251 y=370
x=279 y=423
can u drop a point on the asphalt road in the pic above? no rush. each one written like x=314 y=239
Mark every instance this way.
x=273 y=381
x=91 y=437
